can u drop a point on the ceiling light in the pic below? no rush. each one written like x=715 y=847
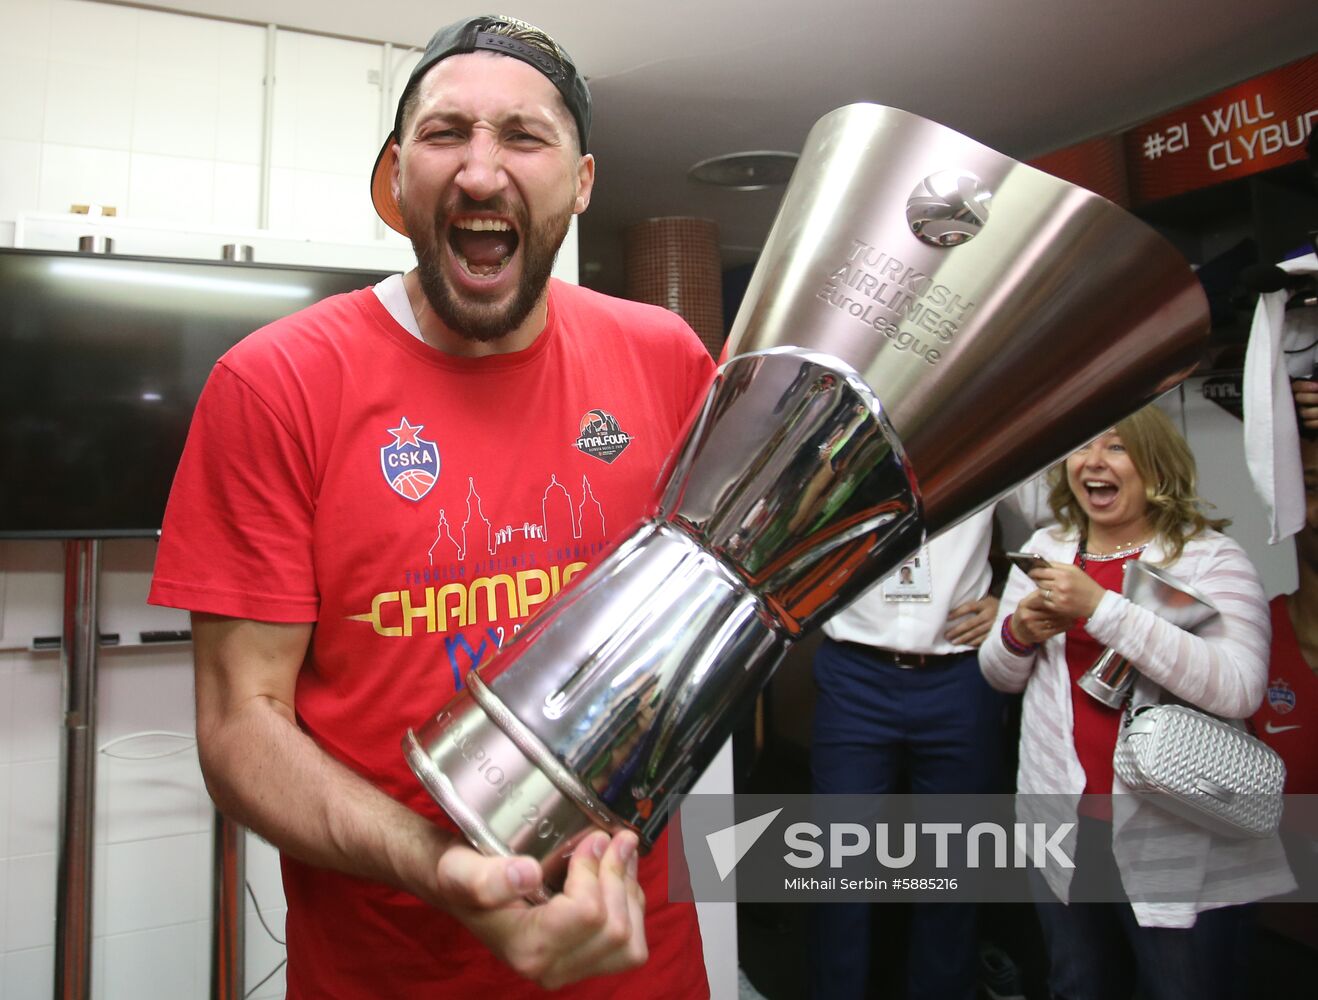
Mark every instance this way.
x=749 y=171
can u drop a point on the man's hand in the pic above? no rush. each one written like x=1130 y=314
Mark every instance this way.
x=968 y=624
x=265 y=772
x=595 y=926
x=1306 y=403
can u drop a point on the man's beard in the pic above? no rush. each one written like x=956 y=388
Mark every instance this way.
x=487 y=321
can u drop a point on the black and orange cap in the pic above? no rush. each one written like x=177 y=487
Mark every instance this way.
x=491 y=33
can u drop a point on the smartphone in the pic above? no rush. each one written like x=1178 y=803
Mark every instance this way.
x=1028 y=561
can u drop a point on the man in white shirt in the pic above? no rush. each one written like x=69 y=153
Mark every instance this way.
x=902 y=706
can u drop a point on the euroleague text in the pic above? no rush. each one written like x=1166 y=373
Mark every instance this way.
x=882 y=292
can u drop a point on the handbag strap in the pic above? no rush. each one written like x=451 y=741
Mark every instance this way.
x=1127 y=713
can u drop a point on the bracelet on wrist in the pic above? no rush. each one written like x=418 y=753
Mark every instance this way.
x=1014 y=645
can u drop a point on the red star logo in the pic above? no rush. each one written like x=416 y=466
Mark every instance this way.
x=406 y=433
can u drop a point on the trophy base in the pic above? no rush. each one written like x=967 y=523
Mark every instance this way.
x=501 y=786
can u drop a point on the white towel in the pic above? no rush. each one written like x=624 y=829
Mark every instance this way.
x=1272 y=439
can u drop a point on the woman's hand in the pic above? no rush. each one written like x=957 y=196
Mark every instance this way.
x=1067 y=591
x=1065 y=594
x=1033 y=621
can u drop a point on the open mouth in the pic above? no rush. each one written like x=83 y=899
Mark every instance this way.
x=1101 y=493
x=482 y=246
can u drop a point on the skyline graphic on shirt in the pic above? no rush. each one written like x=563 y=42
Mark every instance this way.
x=560 y=521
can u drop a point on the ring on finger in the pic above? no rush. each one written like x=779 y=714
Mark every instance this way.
x=1047 y=594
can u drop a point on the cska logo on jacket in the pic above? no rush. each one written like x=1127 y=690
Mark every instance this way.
x=601 y=437
x=410 y=463
x=1281 y=696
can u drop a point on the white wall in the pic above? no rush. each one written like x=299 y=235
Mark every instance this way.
x=1217 y=439
x=160 y=116
x=152 y=831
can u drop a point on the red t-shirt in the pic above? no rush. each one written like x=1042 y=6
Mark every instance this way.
x=419 y=508
x=1288 y=718
x=1096 y=725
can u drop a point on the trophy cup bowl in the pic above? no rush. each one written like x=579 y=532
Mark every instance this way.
x=930 y=322
x=1154 y=589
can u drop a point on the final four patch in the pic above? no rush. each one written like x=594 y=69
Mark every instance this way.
x=410 y=463
x=601 y=437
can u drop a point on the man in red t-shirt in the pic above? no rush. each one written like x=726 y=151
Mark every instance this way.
x=1288 y=718
x=380 y=489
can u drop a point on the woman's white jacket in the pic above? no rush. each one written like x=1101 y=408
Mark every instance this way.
x=1171 y=869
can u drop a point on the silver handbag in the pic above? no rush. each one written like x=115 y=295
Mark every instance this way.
x=1201 y=769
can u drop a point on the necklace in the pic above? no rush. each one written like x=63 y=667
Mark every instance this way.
x=1122 y=551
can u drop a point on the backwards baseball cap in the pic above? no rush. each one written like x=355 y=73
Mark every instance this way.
x=492 y=33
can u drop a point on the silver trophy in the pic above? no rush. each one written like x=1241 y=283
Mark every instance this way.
x=1156 y=590
x=930 y=323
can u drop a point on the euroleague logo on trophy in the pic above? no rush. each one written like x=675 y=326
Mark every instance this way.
x=601 y=437
x=410 y=463
x=948 y=208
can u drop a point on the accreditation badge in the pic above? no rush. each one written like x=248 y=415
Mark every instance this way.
x=911 y=581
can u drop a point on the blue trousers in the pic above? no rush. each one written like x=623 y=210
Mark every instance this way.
x=1097 y=951
x=881 y=729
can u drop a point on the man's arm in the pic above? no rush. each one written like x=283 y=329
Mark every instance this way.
x=1305 y=392
x=265 y=773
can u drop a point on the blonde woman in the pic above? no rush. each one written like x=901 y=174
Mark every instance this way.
x=1131 y=494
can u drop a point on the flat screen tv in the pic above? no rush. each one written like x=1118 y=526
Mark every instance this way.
x=102 y=358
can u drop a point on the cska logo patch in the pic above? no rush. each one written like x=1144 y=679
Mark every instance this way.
x=601 y=437
x=1281 y=696
x=410 y=463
